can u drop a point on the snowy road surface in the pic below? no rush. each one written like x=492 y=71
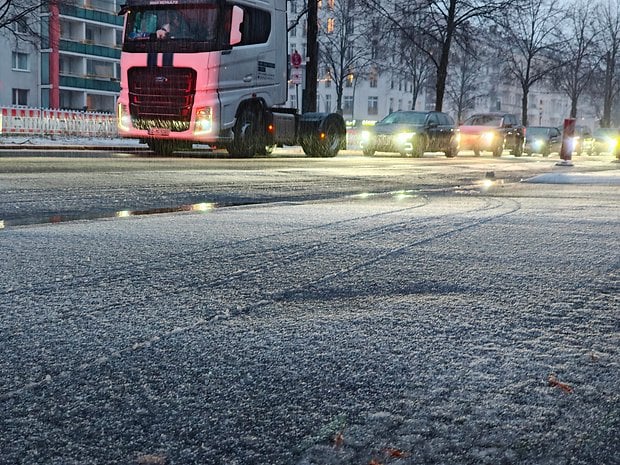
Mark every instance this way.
x=460 y=328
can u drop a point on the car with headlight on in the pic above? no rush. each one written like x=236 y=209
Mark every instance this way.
x=606 y=140
x=542 y=139
x=492 y=132
x=581 y=140
x=412 y=133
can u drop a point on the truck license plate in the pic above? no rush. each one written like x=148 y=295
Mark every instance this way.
x=159 y=132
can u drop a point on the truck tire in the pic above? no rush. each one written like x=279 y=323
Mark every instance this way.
x=247 y=137
x=325 y=147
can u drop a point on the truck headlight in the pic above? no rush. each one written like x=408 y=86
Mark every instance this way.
x=204 y=121
x=123 y=118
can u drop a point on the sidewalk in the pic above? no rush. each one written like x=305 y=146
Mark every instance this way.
x=26 y=142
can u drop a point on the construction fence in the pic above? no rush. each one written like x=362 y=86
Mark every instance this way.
x=40 y=122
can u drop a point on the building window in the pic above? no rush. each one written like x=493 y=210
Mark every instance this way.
x=293 y=4
x=20 y=26
x=292 y=29
x=331 y=24
x=328 y=104
x=347 y=105
x=373 y=105
x=20 y=97
x=373 y=80
x=20 y=61
x=328 y=81
x=349 y=80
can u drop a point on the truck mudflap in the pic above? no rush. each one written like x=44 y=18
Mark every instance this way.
x=322 y=134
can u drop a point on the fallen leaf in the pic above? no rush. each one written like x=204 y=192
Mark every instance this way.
x=395 y=453
x=553 y=381
x=338 y=440
x=150 y=459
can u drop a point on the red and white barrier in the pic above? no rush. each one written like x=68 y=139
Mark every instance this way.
x=43 y=122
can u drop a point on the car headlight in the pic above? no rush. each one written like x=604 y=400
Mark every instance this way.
x=404 y=137
x=611 y=144
x=487 y=137
x=538 y=144
x=365 y=136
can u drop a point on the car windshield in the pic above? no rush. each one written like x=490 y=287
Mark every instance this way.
x=606 y=132
x=483 y=120
x=404 y=117
x=536 y=132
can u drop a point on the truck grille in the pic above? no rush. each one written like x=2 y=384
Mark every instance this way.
x=161 y=97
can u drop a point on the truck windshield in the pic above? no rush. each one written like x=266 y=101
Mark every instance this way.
x=182 y=28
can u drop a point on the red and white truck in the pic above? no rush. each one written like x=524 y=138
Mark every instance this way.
x=214 y=72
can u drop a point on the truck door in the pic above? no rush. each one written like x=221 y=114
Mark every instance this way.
x=242 y=66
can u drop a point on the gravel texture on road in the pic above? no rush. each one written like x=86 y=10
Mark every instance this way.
x=465 y=328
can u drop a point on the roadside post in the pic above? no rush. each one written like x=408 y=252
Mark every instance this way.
x=566 y=151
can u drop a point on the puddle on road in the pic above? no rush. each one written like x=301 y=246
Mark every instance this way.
x=201 y=207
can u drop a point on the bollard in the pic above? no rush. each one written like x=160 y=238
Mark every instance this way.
x=568 y=142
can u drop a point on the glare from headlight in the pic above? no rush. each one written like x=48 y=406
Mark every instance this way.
x=404 y=137
x=538 y=144
x=487 y=137
x=611 y=144
x=365 y=136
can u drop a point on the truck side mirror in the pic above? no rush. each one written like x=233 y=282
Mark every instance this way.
x=235 y=25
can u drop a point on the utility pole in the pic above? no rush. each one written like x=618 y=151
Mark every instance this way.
x=309 y=96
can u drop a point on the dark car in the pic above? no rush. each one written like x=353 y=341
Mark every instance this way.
x=581 y=141
x=605 y=140
x=492 y=132
x=411 y=133
x=543 y=140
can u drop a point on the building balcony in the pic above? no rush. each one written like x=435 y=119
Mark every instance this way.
x=93 y=50
x=84 y=83
x=91 y=15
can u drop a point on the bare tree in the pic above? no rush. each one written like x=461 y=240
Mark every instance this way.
x=462 y=83
x=20 y=13
x=443 y=22
x=609 y=21
x=344 y=45
x=579 y=51
x=530 y=41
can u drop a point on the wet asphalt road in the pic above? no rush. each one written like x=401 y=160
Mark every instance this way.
x=345 y=311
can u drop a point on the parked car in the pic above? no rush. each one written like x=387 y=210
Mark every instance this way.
x=582 y=140
x=542 y=139
x=492 y=132
x=411 y=133
x=605 y=140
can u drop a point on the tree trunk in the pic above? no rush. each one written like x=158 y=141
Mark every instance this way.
x=309 y=99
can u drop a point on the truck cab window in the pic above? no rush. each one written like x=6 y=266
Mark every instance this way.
x=249 y=26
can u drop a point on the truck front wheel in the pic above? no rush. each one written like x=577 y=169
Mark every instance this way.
x=247 y=138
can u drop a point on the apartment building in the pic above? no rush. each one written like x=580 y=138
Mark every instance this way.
x=74 y=62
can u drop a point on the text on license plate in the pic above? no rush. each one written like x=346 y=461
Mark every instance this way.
x=159 y=132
